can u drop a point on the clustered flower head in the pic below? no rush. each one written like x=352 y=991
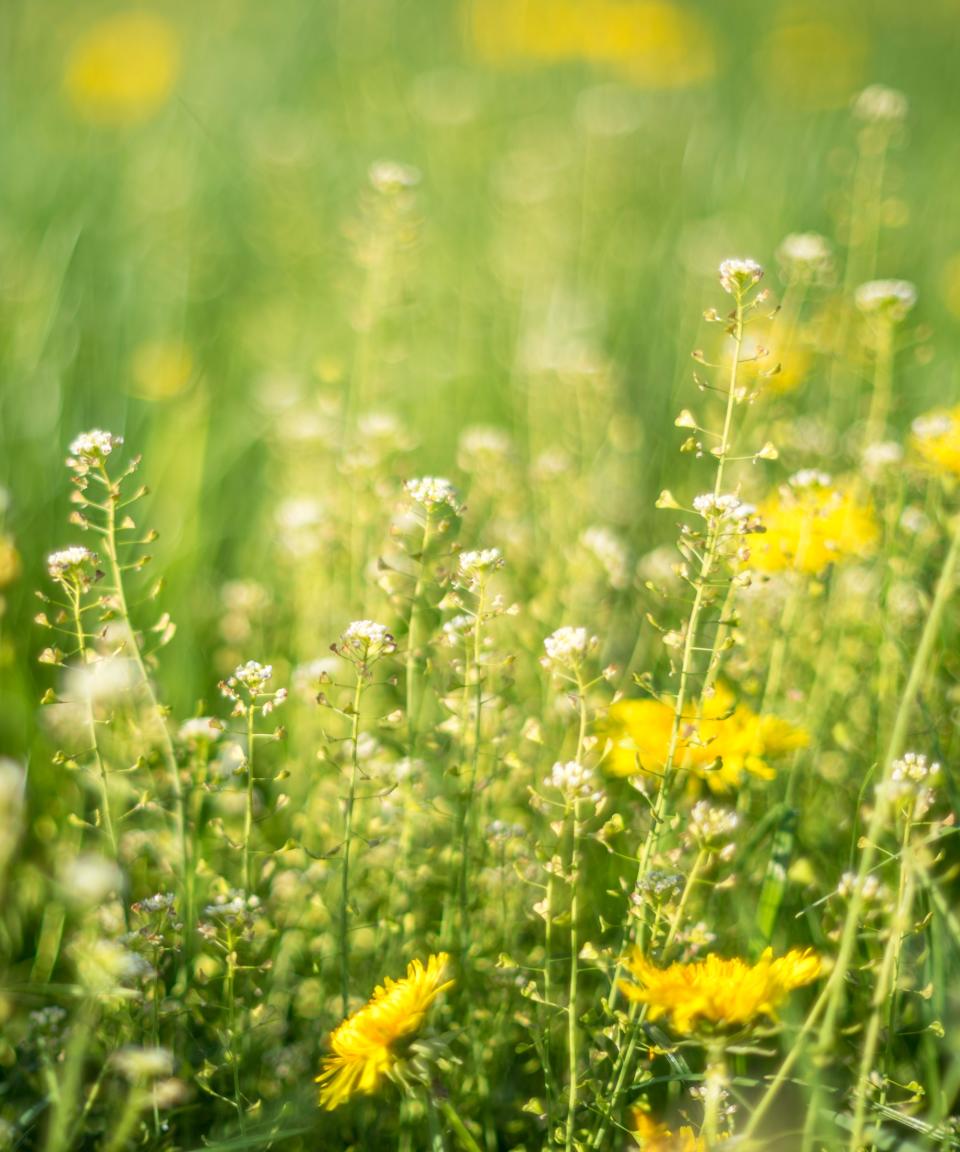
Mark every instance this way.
x=912 y=783
x=141 y=1065
x=886 y=299
x=433 y=493
x=376 y=1042
x=573 y=779
x=567 y=648
x=805 y=256
x=365 y=641
x=936 y=439
x=71 y=565
x=872 y=889
x=474 y=567
x=91 y=448
x=251 y=679
x=729 y=510
x=710 y=826
x=739 y=275
x=878 y=104
x=234 y=908
x=719 y=996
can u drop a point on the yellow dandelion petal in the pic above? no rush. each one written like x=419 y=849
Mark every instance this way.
x=807 y=530
x=719 y=995
x=367 y=1047
x=718 y=743
x=123 y=69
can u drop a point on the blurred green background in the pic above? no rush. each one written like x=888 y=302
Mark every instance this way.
x=191 y=250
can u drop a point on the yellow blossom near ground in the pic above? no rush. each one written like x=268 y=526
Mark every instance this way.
x=655 y=1137
x=368 y=1046
x=717 y=745
x=936 y=439
x=161 y=369
x=810 y=526
x=122 y=69
x=717 y=995
x=653 y=44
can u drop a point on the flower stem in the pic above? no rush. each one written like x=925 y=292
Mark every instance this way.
x=347 y=841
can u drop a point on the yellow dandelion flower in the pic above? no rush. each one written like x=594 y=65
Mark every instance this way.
x=718 y=746
x=810 y=524
x=936 y=439
x=653 y=44
x=656 y=1137
x=122 y=69
x=371 y=1044
x=716 y=995
x=767 y=345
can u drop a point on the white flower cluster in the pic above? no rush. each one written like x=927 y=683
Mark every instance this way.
x=69 y=563
x=888 y=299
x=90 y=447
x=158 y=902
x=233 y=907
x=872 y=889
x=932 y=425
x=808 y=478
x=709 y=825
x=200 y=730
x=433 y=492
x=882 y=454
x=141 y=1065
x=365 y=641
x=253 y=676
x=567 y=647
x=476 y=566
x=878 y=104
x=728 y=509
x=805 y=256
x=611 y=553
x=482 y=446
x=738 y=275
x=390 y=176
x=912 y=784
x=573 y=779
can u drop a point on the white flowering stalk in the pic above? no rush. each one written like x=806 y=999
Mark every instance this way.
x=102 y=504
x=363 y=643
x=711 y=570
x=885 y=304
x=248 y=690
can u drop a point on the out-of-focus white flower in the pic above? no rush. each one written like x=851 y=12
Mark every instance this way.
x=106 y=679
x=141 y=1065
x=475 y=567
x=89 y=448
x=13 y=782
x=365 y=641
x=805 y=256
x=710 y=825
x=573 y=779
x=200 y=730
x=390 y=176
x=433 y=493
x=611 y=553
x=886 y=299
x=567 y=648
x=71 y=564
x=878 y=104
x=88 y=879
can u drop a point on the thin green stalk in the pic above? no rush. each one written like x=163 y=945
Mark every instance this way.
x=347 y=843
x=460 y=1130
x=882 y=395
x=248 y=809
x=572 y=987
x=74 y=593
x=884 y=995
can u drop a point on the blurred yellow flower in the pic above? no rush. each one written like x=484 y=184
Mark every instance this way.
x=655 y=1137
x=936 y=439
x=812 y=64
x=9 y=560
x=811 y=524
x=765 y=345
x=123 y=68
x=652 y=44
x=726 y=740
x=369 y=1045
x=161 y=369
x=716 y=995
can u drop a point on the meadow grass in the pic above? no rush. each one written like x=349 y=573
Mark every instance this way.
x=478 y=571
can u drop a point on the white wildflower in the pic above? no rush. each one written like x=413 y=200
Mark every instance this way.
x=71 y=563
x=366 y=641
x=432 y=493
x=878 y=104
x=200 y=730
x=567 y=647
x=887 y=299
x=474 y=567
x=390 y=176
x=611 y=553
x=739 y=275
x=141 y=1065
x=805 y=256
x=90 y=448
x=573 y=779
